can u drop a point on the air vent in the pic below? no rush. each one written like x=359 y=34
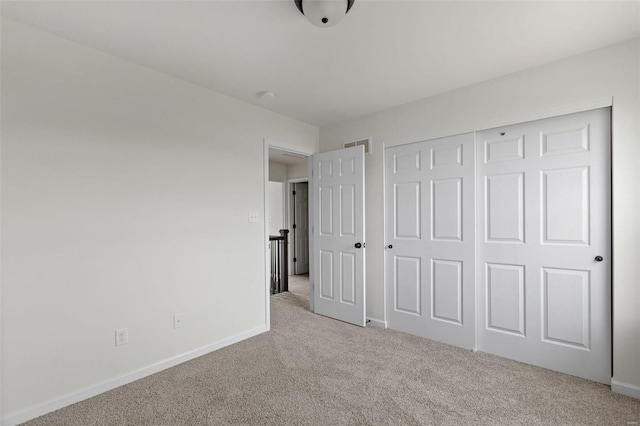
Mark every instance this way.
x=364 y=142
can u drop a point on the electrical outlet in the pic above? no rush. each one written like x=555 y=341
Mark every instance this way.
x=178 y=321
x=122 y=336
x=253 y=217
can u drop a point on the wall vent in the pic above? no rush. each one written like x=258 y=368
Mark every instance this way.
x=364 y=142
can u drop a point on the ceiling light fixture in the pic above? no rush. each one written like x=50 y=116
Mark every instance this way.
x=324 y=13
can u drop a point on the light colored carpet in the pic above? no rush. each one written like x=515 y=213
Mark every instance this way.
x=313 y=370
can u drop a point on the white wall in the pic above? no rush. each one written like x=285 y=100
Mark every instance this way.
x=556 y=88
x=277 y=172
x=275 y=201
x=125 y=196
x=298 y=170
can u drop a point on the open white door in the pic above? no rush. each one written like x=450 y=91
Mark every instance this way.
x=338 y=250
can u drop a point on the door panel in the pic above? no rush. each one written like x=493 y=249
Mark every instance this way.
x=407 y=284
x=326 y=274
x=544 y=202
x=446 y=286
x=565 y=306
x=347 y=210
x=407 y=210
x=446 y=209
x=338 y=231
x=505 y=208
x=348 y=278
x=325 y=204
x=565 y=206
x=505 y=298
x=430 y=267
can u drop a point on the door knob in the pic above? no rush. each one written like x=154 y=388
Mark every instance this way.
x=390 y=246
x=358 y=245
x=599 y=258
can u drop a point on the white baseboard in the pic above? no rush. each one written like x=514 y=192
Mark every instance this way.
x=625 y=388
x=72 y=398
x=376 y=323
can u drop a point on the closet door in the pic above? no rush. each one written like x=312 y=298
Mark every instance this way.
x=544 y=253
x=430 y=237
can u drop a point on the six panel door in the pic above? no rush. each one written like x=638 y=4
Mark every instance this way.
x=338 y=235
x=430 y=237
x=544 y=254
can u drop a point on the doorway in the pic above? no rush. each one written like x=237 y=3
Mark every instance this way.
x=288 y=173
x=282 y=167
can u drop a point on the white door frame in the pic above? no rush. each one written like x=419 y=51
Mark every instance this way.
x=268 y=143
x=288 y=222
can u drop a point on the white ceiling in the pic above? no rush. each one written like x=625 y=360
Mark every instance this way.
x=383 y=53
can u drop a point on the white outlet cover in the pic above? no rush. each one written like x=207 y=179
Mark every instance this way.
x=253 y=217
x=122 y=336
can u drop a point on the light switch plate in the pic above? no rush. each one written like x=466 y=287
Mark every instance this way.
x=178 y=321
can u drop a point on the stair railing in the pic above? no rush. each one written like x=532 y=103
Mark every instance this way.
x=279 y=261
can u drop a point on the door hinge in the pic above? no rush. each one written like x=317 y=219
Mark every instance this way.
x=295 y=260
x=294 y=226
x=294 y=192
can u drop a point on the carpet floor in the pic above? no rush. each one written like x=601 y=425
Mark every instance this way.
x=312 y=370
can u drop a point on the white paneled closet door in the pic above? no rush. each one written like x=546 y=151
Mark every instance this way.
x=430 y=237
x=544 y=254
